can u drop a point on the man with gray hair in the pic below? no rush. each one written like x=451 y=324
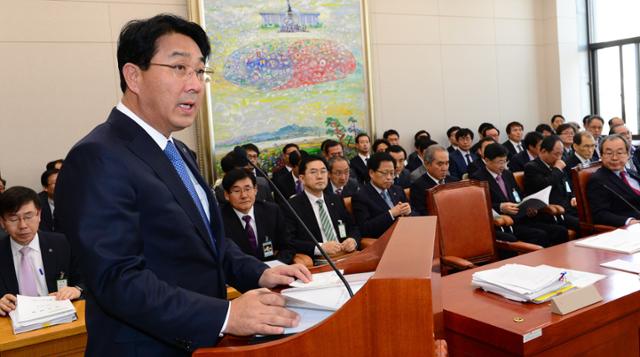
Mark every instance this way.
x=633 y=163
x=340 y=183
x=436 y=164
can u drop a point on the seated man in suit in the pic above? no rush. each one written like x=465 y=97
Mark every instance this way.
x=613 y=191
x=461 y=158
x=421 y=146
x=633 y=164
x=514 y=143
x=379 y=202
x=415 y=158
x=48 y=181
x=583 y=146
x=289 y=182
x=548 y=170
x=451 y=134
x=392 y=136
x=229 y=162
x=359 y=162
x=324 y=214
x=286 y=152
x=594 y=125
x=566 y=132
x=331 y=148
x=478 y=164
x=402 y=174
x=436 y=162
x=532 y=143
x=34 y=263
x=505 y=197
x=340 y=184
x=258 y=228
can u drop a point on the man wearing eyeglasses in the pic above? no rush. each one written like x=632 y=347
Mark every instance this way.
x=379 y=202
x=340 y=183
x=324 y=214
x=257 y=227
x=613 y=191
x=146 y=227
x=32 y=262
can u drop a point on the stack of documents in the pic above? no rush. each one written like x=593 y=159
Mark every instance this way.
x=33 y=313
x=620 y=240
x=318 y=299
x=522 y=283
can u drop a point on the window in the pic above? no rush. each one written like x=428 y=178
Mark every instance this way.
x=614 y=50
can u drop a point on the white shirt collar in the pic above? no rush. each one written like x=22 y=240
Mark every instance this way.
x=379 y=190
x=531 y=157
x=515 y=145
x=34 y=244
x=433 y=178
x=313 y=198
x=158 y=137
x=493 y=174
x=582 y=159
x=463 y=152
x=240 y=214
x=363 y=157
x=334 y=187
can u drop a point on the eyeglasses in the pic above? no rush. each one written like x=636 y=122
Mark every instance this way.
x=615 y=153
x=238 y=190
x=27 y=217
x=340 y=172
x=184 y=72
x=386 y=173
x=316 y=172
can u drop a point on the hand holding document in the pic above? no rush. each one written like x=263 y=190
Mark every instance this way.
x=536 y=201
x=34 y=313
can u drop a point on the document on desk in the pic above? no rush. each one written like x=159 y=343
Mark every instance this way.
x=619 y=264
x=619 y=240
x=35 y=312
x=317 y=300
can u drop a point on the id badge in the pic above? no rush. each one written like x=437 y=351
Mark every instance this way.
x=516 y=196
x=342 y=229
x=267 y=249
x=61 y=283
x=567 y=187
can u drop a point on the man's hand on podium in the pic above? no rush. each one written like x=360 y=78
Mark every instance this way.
x=259 y=311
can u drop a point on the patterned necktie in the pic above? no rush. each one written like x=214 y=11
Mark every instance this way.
x=387 y=198
x=181 y=168
x=636 y=190
x=502 y=186
x=28 y=285
x=298 y=186
x=253 y=242
x=325 y=222
x=339 y=192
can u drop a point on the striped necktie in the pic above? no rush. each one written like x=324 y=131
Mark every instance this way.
x=325 y=222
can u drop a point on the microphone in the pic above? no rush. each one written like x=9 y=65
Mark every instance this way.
x=623 y=199
x=241 y=155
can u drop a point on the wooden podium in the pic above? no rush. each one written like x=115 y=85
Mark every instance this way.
x=393 y=314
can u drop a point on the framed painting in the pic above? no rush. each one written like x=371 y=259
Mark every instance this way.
x=284 y=71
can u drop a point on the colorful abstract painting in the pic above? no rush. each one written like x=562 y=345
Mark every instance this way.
x=286 y=71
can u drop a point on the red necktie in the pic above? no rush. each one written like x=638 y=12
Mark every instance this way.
x=623 y=174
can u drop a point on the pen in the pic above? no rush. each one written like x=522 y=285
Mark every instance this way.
x=40 y=270
x=562 y=275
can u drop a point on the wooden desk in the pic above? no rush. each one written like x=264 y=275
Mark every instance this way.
x=60 y=340
x=478 y=323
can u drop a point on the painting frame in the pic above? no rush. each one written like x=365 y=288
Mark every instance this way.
x=205 y=123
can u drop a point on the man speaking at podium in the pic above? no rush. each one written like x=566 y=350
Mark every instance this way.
x=143 y=221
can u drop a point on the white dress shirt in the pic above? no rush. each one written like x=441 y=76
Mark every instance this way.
x=316 y=212
x=35 y=261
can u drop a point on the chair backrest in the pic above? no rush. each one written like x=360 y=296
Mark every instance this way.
x=519 y=177
x=465 y=222
x=347 y=205
x=580 y=177
x=407 y=192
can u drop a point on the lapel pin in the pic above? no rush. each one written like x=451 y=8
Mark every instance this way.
x=50 y=250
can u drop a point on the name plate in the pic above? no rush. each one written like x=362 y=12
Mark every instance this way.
x=574 y=300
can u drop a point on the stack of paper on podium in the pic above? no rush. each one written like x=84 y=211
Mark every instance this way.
x=318 y=299
x=33 y=313
x=619 y=240
x=521 y=282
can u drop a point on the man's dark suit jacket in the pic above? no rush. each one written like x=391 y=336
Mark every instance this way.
x=538 y=176
x=46 y=216
x=450 y=149
x=475 y=166
x=497 y=197
x=348 y=190
x=360 y=169
x=286 y=184
x=413 y=162
x=512 y=149
x=302 y=206
x=404 y=179
x=458 y=164
x=419 y=192
x=372 y=212
x=270 y=225
x=56 y=259
x=607 y=208
x=155 y=280
x=518 y=161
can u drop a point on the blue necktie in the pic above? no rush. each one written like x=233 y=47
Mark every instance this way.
x=387 y=198
x=175 y=158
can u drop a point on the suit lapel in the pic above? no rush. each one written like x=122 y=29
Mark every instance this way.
x=309 y=217
x=377 y=198
x=143 y=146
x=333 y=213
x=261 y=222
x=49 y=262
x=7 y=269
